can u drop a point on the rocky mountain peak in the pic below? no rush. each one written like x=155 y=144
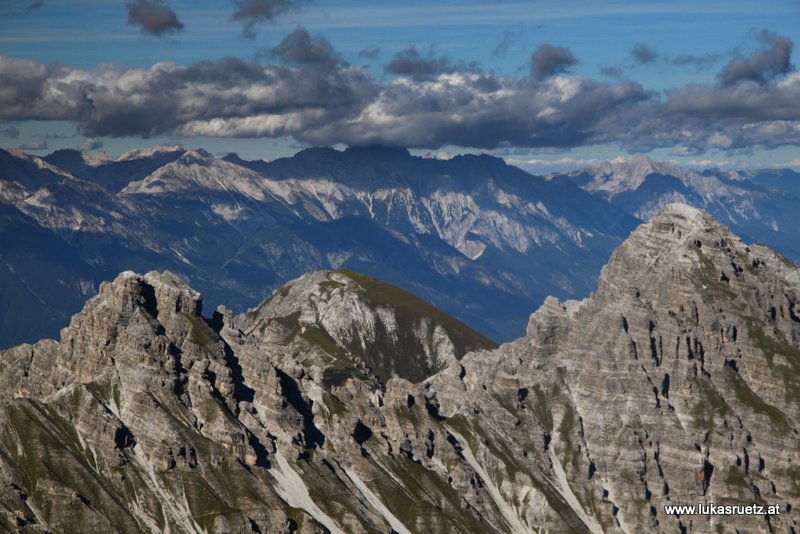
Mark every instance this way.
x=143 y=153
x=370 y=327
x=197 y=172
x=677 y=238
x=680 y=222
x=195 y=156
x=71 y=160
x=619 y=175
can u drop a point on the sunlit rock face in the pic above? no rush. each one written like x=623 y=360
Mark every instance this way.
x=346 y=404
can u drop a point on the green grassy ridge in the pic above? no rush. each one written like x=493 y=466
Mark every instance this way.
x=382 y=293
x=386 y=357
x=51 y=456
x=405 y=357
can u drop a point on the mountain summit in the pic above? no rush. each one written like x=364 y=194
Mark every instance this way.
x=613 y=177
x=675 y=383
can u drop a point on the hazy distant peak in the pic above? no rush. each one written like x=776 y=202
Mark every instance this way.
x=378 y=151
x=195 y=156
x=94 y=159
x=37 y=161
x=626 y=174
x=198 y=170
x=149 y=152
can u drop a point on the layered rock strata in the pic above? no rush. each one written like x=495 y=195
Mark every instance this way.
x=346 y=405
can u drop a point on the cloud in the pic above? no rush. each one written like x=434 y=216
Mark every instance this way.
x=410 y=62
x=371 y=52
x=114 y=100
x=646 y=55
x=643 y=54
x=611 y=72
x=507 y=39
x=700 y=62
x=34 y=6
x=36 y=144
x=772 y=60
x=548 y=60
x=315 y=98
x=90 y=144
x=301 y=48
x=254 y=12
x=475 y=110
x=153 y=17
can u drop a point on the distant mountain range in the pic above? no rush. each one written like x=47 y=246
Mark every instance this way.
x=480 y=239
x=761 y=206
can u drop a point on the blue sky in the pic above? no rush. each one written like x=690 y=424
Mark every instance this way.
x=683 y=49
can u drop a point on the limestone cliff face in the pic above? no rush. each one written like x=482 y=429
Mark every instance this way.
x=344 y=404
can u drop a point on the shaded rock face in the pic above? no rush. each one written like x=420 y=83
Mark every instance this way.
x=330 y=406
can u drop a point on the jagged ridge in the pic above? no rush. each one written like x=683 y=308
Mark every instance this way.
x=675 y=382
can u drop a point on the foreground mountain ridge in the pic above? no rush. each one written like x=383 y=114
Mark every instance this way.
x=674 y=383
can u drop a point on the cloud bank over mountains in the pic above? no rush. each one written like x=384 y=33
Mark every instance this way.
x=303 y=88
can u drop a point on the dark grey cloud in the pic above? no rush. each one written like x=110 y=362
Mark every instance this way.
x=301 y=48
x=463 y=109
x=314 y=98
x=700 y=62
x=549 y=60
x=411 y=62
x=36 y=144
x=153 y=17
x=643 y=54
x=371 y=52
x=611 y=72
x=20 y=7
x=252 y=13
x=173 y=98
x=772 y=60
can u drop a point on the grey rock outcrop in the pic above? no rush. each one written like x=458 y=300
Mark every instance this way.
x=344 y=404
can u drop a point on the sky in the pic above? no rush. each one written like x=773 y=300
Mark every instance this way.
x=547 y=85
